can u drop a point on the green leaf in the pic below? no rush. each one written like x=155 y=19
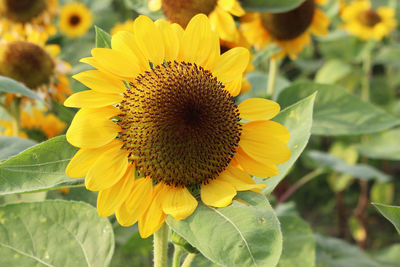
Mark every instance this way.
x=8 y=85
x=140 y=6
x=361 y=171
x=38 y=168
x=382 y=193
x=332 y=71
x=392 y=213
x=298 y=120
x=10 y=146
x=298 y=243
x=388 y=257
x=385 y=145
x=237 y=235
x=103 y=39
x=275 y=6
x=338 y=112
x=54 y=233
x=333 y=252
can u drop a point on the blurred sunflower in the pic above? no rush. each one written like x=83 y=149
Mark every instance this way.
x=75 y=20
x=125 y=26
x=367 y=23
x=21 y=17
x=40 y=126
x=9 y=128
x=219 y=12
x=34 y=64
x=162 y=105
x=289 y=30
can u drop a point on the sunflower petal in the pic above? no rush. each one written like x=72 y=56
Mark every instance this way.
x=116 y=62
x=263 y=129
x=258 y=109
x=217 y=193
x=92 y=99
x=223 y=23
x=178 y=202
x=239 y=179
x=254 y=167
x=231 y=64
x=153 y=218
x=101 y=82
x=171 y=41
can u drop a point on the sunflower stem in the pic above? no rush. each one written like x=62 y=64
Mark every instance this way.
x=15 y=116
x=161 y=246
x=273 y=71
x=367 y=73
x=188 y=260
x=178 y=251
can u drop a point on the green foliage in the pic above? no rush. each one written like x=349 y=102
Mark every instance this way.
x=103 y=39
x=338 y=112
x=10 y=146
x=382 y=193
x=332 y=71
x=38 y=168
x=298 y=120
x=54 y=233
x=275 y=6
x=8 y=85
x=392 y=213
x=239 y=235
x=385 y=145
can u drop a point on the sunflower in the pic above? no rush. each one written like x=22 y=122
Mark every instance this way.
x=39 y=124
x=21 y=17
x=219 y=12
x=8 y=128
x=289 y=30
x=367 y=23
x=160 y=125
x=125 y=26
x=75 y=20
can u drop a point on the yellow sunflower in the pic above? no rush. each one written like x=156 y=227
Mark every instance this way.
x=367 y=23
x=219 y=12
x=49 y=124
x=75 y=20
x=161 y=105
x=21 y=17
x=289 y=30
x=125 y=26
x=8 y=128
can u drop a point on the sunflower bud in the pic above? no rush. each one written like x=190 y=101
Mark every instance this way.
x=22 y=10
x=25 y=62
x=289 y=25
x=181 y=11
x=180 y=241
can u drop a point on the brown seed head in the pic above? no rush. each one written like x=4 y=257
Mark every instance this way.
x=22 y=10
x=369 y=18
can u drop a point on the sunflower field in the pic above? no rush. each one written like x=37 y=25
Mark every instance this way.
x=198 y=133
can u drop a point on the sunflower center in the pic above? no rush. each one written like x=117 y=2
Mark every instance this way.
x=181 y=11
x=179 y=124
x=289 y=25
x=74 y=20
x=369 y=18
x=22 y=10
x=27 y=63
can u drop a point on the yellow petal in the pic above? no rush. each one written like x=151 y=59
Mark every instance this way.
x=232 y=6
x=231 y=64
x=264 y=129
x=254 y=167
x=223 y=23
x=214 y=53
x=101 y=82
x=149 y=39
x=171 y=41
x=258 y=109
x=85 y=158
x=107 y=170
x=217 y=193
x=92 y=99
x=177 y=202
x=239 y=179
x=110 y=199
x=153 y=218
x=234 y=86
x=92 y=127
x=116 y=62
x=197 y=41
x=136 y=203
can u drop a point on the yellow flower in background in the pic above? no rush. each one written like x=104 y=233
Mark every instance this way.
x=219 y=12
x=125 y=26
x=49 y=124
x=291 y=30
x=367 y=23
x=8 y=128
x=161 y=104
x=21 y=17
x=75 y=20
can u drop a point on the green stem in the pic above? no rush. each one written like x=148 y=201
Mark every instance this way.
x=305 y=179
x=178 y=251
x=367 y=72
x=188 y=260
x=273 y=70
x=15 y=116
x=161 y=246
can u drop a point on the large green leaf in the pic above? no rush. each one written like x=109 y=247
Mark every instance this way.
x=389 y=257
x=333 y=252
x=298 y=120
x=332 y=71
x=275 y=6
x=10 y=146
x=8 y=85
x=103 y=39
x=39 y=167
x=338 y=112
x=392 y=213
x=385 y=145
x=298 y=243
x=237 y=235
x=361 y=171
x=54 y=233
